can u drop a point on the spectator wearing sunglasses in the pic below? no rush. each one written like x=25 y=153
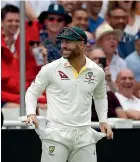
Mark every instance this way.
x=90 y=42
x=53 y=20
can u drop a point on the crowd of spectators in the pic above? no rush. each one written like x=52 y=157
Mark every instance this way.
x=113 y=32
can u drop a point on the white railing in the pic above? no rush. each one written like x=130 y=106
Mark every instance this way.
x=114 y=123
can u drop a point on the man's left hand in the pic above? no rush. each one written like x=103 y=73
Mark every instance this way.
x=105 y=128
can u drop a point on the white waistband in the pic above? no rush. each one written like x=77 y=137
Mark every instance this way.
x=57 y=125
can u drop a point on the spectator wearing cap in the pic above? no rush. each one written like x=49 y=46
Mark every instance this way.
x=126 y=83
x=133 y=60
x=80 y=18
x=53 y=20
x=117 y=17
x=108 y=38
x=94 y=8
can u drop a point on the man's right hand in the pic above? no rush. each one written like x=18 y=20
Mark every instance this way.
x=32 y=119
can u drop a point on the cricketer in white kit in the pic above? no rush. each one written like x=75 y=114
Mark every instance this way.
x=70 y=83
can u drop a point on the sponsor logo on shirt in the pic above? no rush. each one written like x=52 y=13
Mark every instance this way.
x=63 y=76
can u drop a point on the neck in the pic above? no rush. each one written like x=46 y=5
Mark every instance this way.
x=126 y=93
x=109 y=57
x=52 y=36
x=94 y=16
x=78 y=62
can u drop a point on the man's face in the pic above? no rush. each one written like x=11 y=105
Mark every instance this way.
x=80 y=19
x=109 y=43
x=94 y=55
x=11 y=23
x=54 y=23
x=118 y=19
x=69 y=5
x=70 y=49
x=126 y=5
x=126 y=80
x=94 y=6
x=137 y=46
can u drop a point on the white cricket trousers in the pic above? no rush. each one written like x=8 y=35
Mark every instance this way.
x=73 y=144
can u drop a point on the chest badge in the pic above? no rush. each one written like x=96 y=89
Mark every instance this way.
x=89 y=77
x=63 y=76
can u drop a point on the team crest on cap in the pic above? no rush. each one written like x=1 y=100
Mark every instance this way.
x=56 y=7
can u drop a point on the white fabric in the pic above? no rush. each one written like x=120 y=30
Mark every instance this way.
x=69 y=99
x=133 y=30
x=15 y=3
x=40 y=6
x=117 y=64
x=68 y=143
x=128 y=104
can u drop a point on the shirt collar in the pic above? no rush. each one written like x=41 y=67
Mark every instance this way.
x=65 y=62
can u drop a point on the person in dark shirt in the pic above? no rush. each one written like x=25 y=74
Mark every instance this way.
x=114 y=108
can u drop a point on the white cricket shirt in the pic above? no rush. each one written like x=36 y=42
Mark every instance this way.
x=69 y=94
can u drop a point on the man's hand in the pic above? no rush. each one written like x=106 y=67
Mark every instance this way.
x=32 y=119
x=105 y=128
x=107 y=74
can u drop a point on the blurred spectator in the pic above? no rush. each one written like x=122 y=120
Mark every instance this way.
x=80 y=18
x=108 y=38
x=133 y=60
x=90 y=42
x=95 y=20
x=137 y=8
x=98 y=56
x=117 y=17
x=69 y=5
x=137 y=90
x=10 y=88
x=133 y=25
x=131 y=104
x=53 y=20
x=10 y=26
x=114 y=108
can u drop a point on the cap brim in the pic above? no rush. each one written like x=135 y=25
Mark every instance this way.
x=117 y=32
x=67 y=37
x=43 y=15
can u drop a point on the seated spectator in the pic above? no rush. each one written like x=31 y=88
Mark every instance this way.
x=90 y=42
x=133 y=60
x=98 y=56
x=53 y=20
x=108 y=38
x=95 y=20
x=80 y=18
x=117 y=17
x=114 y=108
x=131 y=104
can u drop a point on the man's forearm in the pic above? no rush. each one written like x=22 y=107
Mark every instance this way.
x=101 y=106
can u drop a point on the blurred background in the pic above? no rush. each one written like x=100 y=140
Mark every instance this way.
x=28 y=41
